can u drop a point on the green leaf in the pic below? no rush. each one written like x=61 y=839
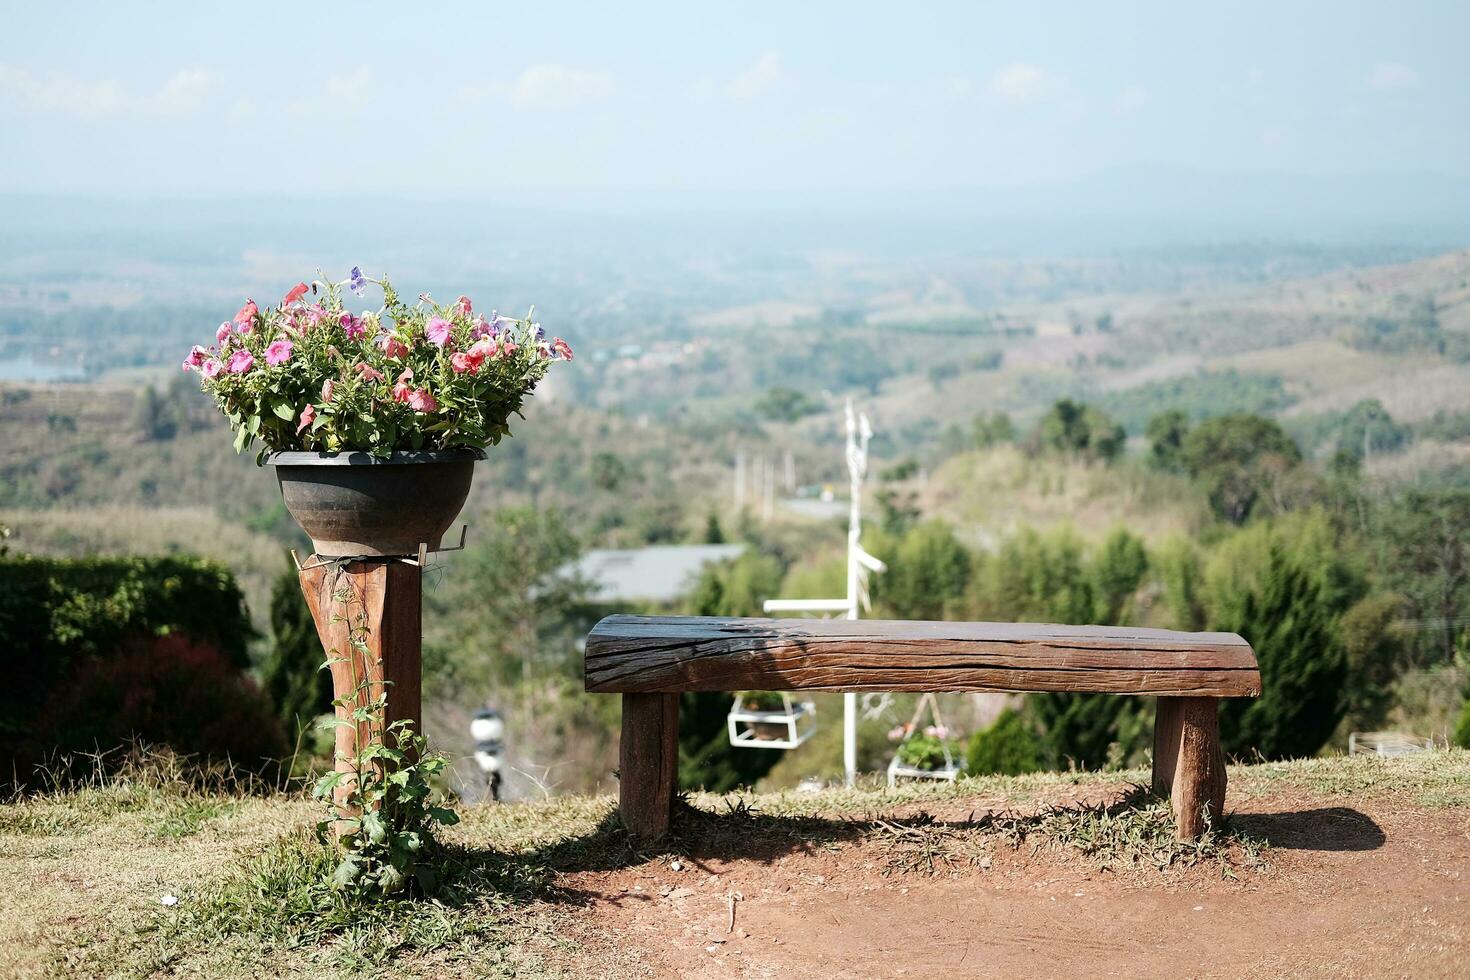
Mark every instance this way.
x=283 y=410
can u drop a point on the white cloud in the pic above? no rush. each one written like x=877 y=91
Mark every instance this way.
x=1130 y=100
x=758 y=79
x=184 y=92
x=349 y=91
x=1390 y=76
x=762 y=77
x=1022 y=83
x=557 y=87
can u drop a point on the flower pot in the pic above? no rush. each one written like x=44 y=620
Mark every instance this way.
x=355 y=504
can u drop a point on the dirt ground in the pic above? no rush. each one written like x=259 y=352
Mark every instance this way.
x=1349 y=887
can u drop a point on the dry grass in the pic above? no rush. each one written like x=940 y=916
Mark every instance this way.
x=1003 y=489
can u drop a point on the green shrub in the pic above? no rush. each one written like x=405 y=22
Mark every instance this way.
x=1006 y=748
x=59 y=617
x=1462 y=727
x=293 y=677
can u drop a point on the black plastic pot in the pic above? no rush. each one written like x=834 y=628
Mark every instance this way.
x=357 y=505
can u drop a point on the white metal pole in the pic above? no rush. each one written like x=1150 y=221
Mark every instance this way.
x=854 y=530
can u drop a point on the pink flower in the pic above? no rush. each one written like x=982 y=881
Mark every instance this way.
x=421 y=401
x=352 y=326
x=222 y=334
x=211 y=367
x=328 y=389
x=196 y=357
x=279 y=352
x=240 y=362
x=506 y=349
x=462 y=362
x=368 y=372
x=245 y=318
x=307 y=415
x=481 y=350
x=562 y=347
x=297 y=291
x=462 y=305
x=314 y=315
x=393 y=347
x=482 y=328
x=401 y=388
x=438 y=330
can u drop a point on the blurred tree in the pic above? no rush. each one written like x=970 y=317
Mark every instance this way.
x=1178 y=567
x=927 y=573
x=293 y=677
x=1288 y=619
x=1427 y=558
x=1117 y=570
x=713 y=533
x=1372 y=649
x=991 y=429
x=152 y=419
x=1367 y=428
x=1166 y=432
x=1008 y=747
x=1071 y=427
x=529 y=611
x=1235 y=457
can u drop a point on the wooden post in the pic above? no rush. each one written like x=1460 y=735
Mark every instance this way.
x=648 y=771
x=379 y=599
x=1189 y=765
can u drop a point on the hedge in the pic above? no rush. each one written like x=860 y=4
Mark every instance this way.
x=61 y=616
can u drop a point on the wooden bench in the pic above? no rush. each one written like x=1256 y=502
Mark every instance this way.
x=649 y=660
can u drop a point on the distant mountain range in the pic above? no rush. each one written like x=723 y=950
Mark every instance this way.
x=1131 y=208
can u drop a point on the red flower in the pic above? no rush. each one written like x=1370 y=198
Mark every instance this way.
x=297 y=291
x=463 y=306
x=247 y=313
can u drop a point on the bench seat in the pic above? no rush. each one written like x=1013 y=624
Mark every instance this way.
x=650 y=660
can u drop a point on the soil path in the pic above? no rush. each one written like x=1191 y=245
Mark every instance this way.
x=1351 y=887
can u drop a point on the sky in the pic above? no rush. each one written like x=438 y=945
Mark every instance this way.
x=545 y=101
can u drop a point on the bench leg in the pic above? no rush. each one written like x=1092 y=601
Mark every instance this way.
x=1189 y=766
x=648 y=764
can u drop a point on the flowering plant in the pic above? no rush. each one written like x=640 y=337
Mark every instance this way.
x=925 y=749
x=310 y=374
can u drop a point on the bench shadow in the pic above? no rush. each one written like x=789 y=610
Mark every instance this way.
x=700 y=838
x=1332 y=828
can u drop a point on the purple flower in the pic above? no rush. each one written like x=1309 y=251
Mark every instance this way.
x=352 y=326
x=537 y=334
x=438 y=330
x=482 y=328
x=356 y=282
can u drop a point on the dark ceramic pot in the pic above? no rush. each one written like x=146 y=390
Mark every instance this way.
x=355 y=504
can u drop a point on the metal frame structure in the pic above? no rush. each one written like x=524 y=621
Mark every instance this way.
x=859 y=565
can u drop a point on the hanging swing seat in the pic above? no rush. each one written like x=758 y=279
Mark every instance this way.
x=779 y=728
x=650 y=660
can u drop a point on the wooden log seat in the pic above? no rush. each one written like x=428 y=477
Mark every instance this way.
x=650 y=660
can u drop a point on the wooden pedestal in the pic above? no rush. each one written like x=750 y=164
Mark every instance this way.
x=378 y=600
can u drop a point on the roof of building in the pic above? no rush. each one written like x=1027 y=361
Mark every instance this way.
x=658 y=573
